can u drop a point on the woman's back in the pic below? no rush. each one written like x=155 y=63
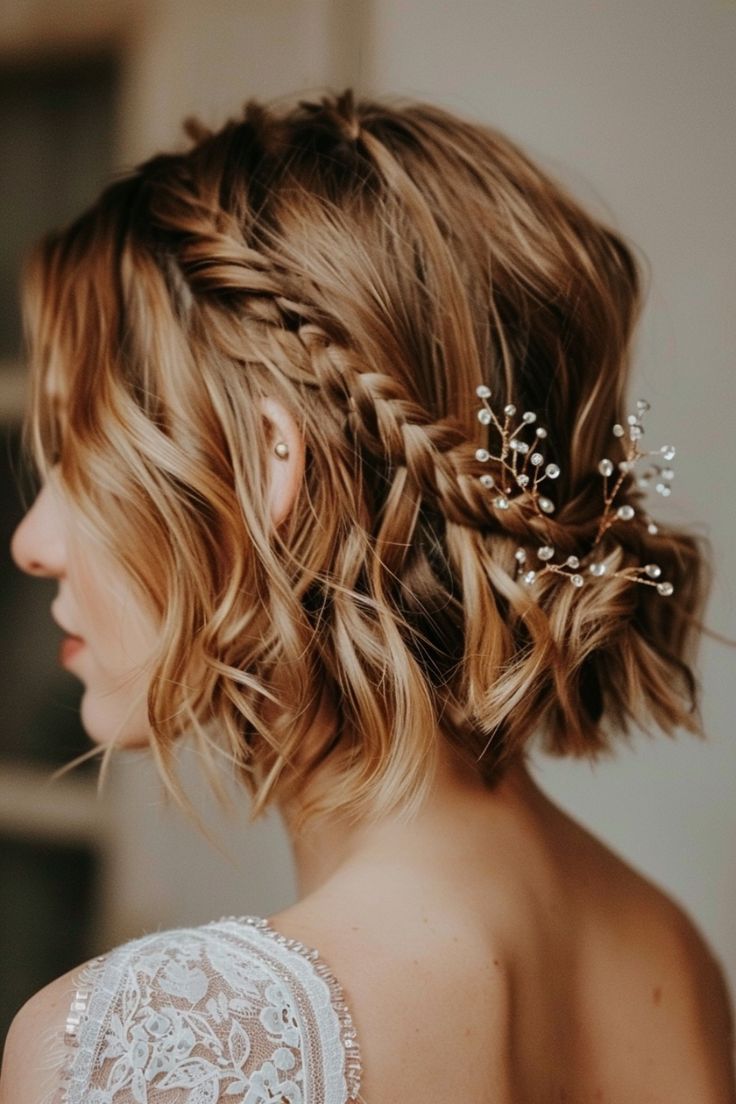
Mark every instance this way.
x=532 y=964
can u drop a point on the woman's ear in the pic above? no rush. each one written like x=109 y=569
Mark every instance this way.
x=285 y=458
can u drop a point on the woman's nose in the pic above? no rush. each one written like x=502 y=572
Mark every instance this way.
x=37 y=544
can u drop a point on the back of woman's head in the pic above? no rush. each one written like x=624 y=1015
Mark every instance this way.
x=368 y=265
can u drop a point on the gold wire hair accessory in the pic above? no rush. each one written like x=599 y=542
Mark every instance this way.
x=523 y=466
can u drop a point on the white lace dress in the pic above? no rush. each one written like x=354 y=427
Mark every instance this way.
x=228 y=1011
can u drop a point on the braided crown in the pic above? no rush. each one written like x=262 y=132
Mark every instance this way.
x=524 y=468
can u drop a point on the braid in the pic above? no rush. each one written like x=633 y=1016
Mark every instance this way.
x=210 y=245
x=423 y=458
x=216 y=261
x=381 y=416
x=211 y=251
x=437 y=456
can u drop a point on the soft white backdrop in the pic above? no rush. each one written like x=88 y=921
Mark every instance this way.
x=632 y=105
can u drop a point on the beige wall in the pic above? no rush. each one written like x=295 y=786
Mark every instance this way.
x=632 y=104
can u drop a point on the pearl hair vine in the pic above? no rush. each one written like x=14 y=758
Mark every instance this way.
x=523 y=466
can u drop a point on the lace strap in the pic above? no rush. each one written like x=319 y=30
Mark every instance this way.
x=330 y=1036
x=348 y=1034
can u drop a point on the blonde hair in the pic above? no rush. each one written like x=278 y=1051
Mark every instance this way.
x=368 y=264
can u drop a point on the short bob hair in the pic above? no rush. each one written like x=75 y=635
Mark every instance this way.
x=368 y=264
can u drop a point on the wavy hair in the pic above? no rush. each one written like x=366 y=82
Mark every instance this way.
x=368 y=264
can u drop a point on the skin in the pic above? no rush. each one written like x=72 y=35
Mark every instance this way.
x=492 y=950
x=95 y=604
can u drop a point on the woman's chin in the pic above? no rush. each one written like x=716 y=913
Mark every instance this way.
x=105 y=726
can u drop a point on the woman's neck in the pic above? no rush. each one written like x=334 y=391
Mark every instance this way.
x=455 y=822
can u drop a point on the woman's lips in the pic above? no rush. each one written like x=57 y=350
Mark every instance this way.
x=69 y=647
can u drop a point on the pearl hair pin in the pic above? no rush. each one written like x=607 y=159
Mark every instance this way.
x=523 y=467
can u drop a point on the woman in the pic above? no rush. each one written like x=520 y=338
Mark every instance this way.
x=323 y=412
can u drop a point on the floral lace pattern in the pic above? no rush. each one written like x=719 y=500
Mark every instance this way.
x=230 y=1011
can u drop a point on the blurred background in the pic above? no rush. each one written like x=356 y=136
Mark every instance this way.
x=632 y=105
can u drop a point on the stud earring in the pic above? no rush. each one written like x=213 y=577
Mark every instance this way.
x=281 y=449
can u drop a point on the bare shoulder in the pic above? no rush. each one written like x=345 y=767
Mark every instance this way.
x=35 y=1050
x=690 y=971
x=673 y=999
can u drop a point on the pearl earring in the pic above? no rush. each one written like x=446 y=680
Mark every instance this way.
x=281 y=449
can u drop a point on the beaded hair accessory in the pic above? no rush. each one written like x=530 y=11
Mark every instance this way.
x=524 y=467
